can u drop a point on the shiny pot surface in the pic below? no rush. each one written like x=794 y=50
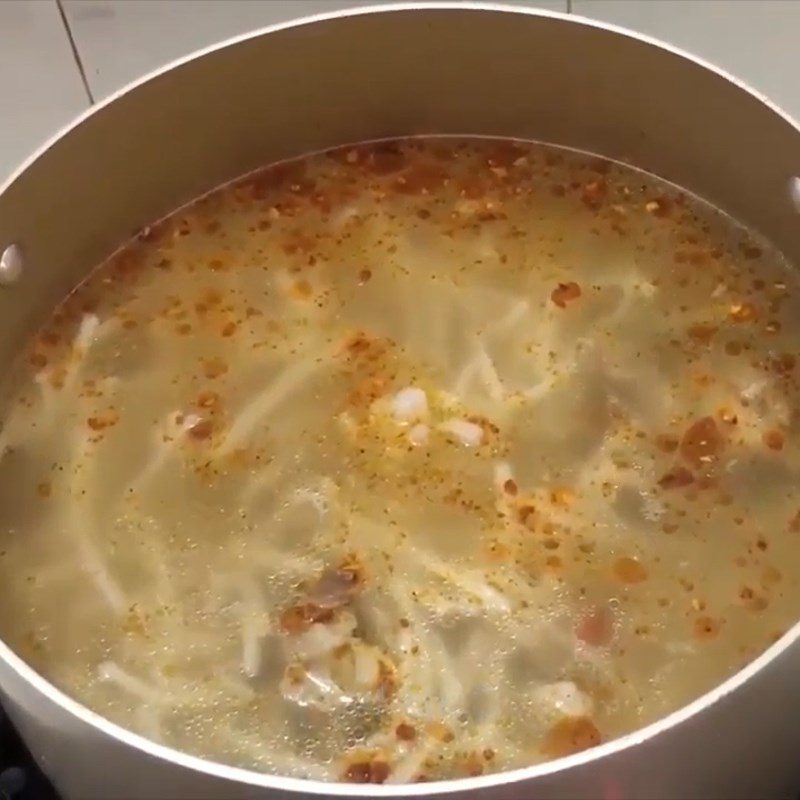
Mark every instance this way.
x=395 y=71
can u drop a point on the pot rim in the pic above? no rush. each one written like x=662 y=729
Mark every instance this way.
x=437 y=788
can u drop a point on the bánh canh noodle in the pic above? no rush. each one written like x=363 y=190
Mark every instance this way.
x=408 y=461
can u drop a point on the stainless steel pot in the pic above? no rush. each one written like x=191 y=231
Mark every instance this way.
x=453 y=68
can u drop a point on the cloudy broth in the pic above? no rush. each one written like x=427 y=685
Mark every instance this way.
x=408 y=461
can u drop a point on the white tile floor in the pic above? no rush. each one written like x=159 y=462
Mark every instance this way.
x=116 y=41
x=40 y=86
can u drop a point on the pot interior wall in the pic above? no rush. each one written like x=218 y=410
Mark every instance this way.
x=391 y=73
x=395 y=72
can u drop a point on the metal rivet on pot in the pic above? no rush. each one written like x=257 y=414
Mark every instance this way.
x=794 y=192
x=10 y=265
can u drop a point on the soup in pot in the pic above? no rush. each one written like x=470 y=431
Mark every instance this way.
x=408 y=461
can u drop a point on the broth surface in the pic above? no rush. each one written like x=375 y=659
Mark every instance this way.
x=408 y=461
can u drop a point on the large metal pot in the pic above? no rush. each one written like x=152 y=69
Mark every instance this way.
x=453 y=68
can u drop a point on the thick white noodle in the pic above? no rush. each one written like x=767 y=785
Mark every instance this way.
x=90 y=332
x=49 y=407
x=148 y=721
x=42 y=419
x=509 y=320
x=428 y=684
x=635 y=289
x=481 y=368
x=254 y=623
x=167 y=440
x=271 y=397
x=82 y=526
x=410 y=765
x=488 y=374
x=570 y=366
x=111 y=672
x=470 y=581
x=465 y=378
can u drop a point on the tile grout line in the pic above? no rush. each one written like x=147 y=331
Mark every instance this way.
x=74 y=47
